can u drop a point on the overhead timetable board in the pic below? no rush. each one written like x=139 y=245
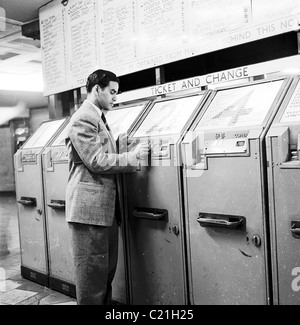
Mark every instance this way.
x=126 y=36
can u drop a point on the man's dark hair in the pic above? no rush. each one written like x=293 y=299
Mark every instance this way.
x=101 y=78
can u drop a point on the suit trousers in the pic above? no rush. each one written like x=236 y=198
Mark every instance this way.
x=95 y=255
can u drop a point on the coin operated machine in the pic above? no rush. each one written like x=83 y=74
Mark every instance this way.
x=30 y=198
x=224 y=190
x=283 y=147
x=55 y=162
x=121 y=121
x=55 y=173
x=156 y=249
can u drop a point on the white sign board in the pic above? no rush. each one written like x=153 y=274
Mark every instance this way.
x=126 y=36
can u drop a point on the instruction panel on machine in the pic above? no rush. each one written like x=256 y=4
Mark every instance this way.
x=168 y=117
x=242 y=106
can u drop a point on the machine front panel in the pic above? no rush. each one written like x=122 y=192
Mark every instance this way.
x=60 y=257
x=226 y=266
x=31 y=214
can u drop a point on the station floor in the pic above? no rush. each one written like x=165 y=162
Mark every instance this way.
x=14 y=289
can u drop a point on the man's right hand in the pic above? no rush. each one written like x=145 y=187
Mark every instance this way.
x=142 y=150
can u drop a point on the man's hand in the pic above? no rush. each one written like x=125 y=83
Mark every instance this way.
x=142 y=150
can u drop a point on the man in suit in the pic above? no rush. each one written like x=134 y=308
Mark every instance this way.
x=93 y=191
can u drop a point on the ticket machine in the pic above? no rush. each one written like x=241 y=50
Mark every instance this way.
x=121 y=121
x=225 y=200
x=156 y=249
x=30 y=198
x=283 y=147
x=55 y=169
x=55 y=162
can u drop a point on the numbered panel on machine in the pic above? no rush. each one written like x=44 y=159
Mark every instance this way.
x=235 y=112
x=224 y=194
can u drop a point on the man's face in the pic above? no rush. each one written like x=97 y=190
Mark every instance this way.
x=107 y=96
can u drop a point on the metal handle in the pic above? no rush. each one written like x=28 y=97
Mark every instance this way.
x=59 y=205
x=295 y=229
x=27 y=201
x=148 y=213
x=220 y=220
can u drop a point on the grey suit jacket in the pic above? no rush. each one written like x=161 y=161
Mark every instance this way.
x=94 y=167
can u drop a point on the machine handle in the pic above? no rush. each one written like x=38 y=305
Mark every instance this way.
x=59 y=205
x=28 y=201
x=218 y=220
x=295 y=229
x=148 y=213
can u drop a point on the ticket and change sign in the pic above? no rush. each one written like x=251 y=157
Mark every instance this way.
x=126 y=36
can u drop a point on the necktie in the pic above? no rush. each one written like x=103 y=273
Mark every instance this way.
x=105 y=122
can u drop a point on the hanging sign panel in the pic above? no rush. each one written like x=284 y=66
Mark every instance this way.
x=69 y=44
x=54 y=48
x=118 y=24
x=81 y=35
x=127 y=36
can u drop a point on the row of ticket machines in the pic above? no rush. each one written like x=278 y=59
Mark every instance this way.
x=211 y=218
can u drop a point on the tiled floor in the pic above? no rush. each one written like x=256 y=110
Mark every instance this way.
x=15 y=290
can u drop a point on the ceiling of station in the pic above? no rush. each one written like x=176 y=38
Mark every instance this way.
x=20 y=56
x=22 y=10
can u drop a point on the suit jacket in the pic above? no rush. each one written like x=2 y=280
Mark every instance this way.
x=94 y=167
